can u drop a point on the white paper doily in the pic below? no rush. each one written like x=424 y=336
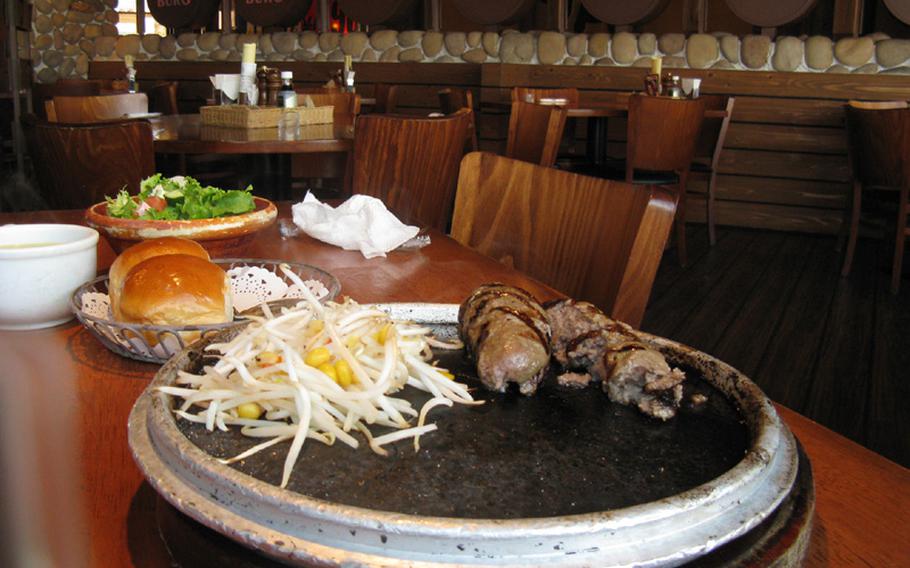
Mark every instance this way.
x=250 y=286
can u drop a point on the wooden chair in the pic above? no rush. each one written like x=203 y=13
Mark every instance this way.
x=313 y=169
x=76 y=110
x=451 y=101
x=162 y=97
x=77 y=165
x=535 y=132
x=707 y=152
x=879 y=148
x=386 y=98
x=662 y=134
x=593 y=239
x=45 y=92
x=410 y=163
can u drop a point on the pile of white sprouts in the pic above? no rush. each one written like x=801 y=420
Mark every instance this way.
x=319 y=372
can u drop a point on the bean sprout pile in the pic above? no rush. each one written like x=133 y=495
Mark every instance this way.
x=320 y=372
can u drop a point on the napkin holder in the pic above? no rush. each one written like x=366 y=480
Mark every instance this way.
x=243 y=116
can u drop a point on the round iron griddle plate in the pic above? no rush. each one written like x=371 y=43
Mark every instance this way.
x=565 y=477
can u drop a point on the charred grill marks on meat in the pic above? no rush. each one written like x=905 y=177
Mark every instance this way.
x=507 y=334
x=586 y=341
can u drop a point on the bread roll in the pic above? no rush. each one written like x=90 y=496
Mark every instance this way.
x=141 y=251
x=176 y=290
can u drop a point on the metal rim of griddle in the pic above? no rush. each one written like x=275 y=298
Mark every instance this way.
x=298 y=529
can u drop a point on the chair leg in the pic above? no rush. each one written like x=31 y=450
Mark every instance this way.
x=712 y=234
x=903 y=210
x=854 y=228
x=681 y=219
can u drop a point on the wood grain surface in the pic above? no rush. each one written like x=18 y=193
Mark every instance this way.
x=593 y=239
x=411 y=164
x=98 y=108
x=862 y=498
x=77 y=165
x=535 y=132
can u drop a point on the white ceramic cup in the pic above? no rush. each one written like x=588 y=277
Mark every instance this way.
x=40 y=268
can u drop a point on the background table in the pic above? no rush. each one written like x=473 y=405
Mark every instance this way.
x=271 y=147
x=80 y=499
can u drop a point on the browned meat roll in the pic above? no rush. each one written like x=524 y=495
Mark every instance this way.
x=587 y=343
x=506 y=332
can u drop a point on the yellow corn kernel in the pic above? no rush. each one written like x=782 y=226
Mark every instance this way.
x=446 y=374
x=318 y=356
x=383 y=333
x=249 y=410
x=343 y=373
x=315 y=327
x=352 y=341
x=329 y=370
x=267 y=358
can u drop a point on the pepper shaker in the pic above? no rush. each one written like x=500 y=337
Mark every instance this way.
x=273 y=85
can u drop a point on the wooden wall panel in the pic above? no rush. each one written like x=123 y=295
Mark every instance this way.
x=784 y=165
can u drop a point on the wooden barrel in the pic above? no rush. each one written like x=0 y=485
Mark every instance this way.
x=900 y=9
x=488 y=13
x=186 y=14
x=272 y=12
x=621 y=13
x=371 y=12
x=770 y=14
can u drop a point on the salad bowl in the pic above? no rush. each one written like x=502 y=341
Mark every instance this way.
x=221 y=236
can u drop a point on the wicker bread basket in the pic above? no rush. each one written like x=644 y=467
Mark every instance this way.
x=242 y=116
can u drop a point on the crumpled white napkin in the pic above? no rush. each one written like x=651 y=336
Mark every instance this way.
x=361 y=223
x=228 y=83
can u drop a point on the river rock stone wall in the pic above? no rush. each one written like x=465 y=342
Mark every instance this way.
x=70 y=33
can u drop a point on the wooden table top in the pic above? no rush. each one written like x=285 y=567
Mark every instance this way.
x=84 y=500
x=599 y=109
x=185 y=134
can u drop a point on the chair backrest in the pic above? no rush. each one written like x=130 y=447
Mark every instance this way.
x=386 y=98
x=879 y=143
x=452 y=99
x=593 y=239
x=163 y=98
x=714 y=130
x=410 y=163
x=77 y=165
x=42 y=92
x=531 y=95
x=535 y=132
x=347 y=105
x=75 y=110
x=662 y=133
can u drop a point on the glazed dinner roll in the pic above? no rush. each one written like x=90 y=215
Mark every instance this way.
x=176 y=290
x=141 y=251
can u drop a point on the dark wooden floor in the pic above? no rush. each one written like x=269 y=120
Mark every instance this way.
x=774 y=306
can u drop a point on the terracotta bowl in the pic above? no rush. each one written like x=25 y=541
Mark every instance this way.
x=221 y=236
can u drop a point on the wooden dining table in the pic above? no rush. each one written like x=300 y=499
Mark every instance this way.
x=78 y=498
x=183 y=134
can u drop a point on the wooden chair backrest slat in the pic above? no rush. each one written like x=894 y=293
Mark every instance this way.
x=662 y=133
x=42 y=92
x=163 y=98
x=410 y=163
x=879 y=144
x=347 y=105
x=535 y=132
x=386 y=96
x=75 y=110
x=77 y=165
x=714 y=130
x=452 y=99
x=593 y=239
x=533 y=95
